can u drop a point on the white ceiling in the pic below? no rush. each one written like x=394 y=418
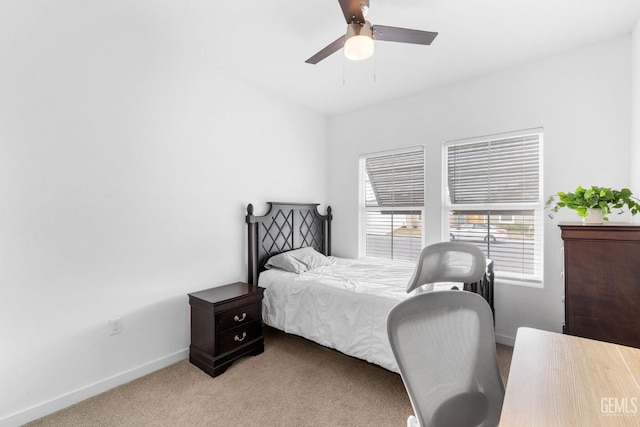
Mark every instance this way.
x=266 y=42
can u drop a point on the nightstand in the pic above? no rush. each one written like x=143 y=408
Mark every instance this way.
x=226 y=324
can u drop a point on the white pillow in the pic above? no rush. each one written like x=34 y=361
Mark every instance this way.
x=298 y=260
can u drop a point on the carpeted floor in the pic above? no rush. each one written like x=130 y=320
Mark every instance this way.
x=295 y=382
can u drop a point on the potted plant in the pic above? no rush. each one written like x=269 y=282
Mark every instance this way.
x=595 y=203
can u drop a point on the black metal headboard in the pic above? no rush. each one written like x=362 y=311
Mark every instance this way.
x=285 y=227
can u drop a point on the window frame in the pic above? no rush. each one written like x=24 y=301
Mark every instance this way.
x=364 y=209
x=532 y=280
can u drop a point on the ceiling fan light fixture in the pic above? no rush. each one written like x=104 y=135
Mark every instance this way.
x=358 y=43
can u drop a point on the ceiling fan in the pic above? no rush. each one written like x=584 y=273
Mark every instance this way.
x=358 y=41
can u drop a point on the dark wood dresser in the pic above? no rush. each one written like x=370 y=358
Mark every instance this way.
x=226 y=324
x=602 y=282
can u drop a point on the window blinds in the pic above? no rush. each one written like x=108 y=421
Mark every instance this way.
x=495 y=201
x=495 y=171
x=391 y=224
x=396 y=180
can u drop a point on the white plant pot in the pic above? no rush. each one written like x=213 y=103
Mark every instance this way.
x=594 y=216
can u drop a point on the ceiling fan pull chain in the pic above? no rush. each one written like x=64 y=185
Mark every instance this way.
x=375 y=67
x=344 y=79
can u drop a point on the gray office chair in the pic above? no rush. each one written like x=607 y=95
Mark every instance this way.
x=447 y=262
x=444 y=344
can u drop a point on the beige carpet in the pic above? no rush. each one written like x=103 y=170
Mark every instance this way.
x=293 y=383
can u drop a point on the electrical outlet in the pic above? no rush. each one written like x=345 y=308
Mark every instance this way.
x=115 y=326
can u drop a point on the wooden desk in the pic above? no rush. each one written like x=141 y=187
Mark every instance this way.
x=562 y=380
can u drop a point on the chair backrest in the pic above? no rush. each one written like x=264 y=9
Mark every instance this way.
x=445 y=348
x=448 y=262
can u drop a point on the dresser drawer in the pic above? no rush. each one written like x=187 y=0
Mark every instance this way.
x=239 y=316
x=236 y=337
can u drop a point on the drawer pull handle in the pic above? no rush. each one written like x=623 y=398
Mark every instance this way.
x=240 y=319
x=237 y=338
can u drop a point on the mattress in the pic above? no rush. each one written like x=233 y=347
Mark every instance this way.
x=343 y=306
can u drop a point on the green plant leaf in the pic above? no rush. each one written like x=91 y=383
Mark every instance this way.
x=603 y=198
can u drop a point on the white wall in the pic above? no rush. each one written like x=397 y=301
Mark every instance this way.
x=580 y=98
x=127 y=158
x=634 y=158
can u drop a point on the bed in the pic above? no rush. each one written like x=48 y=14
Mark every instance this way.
x=337 y=302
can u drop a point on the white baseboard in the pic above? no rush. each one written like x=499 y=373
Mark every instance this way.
x=506 y=340
x=68 y=399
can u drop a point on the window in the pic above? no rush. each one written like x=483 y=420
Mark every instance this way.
x=391 y=201
x=494 y=200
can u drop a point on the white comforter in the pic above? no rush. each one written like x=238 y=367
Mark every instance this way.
x=343 y=306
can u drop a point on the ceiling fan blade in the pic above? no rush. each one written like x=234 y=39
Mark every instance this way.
x=402 y=35
x=352 y=11
x=332 y=48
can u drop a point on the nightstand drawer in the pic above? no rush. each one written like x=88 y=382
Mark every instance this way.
x=239 y=316
x=236 y=337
